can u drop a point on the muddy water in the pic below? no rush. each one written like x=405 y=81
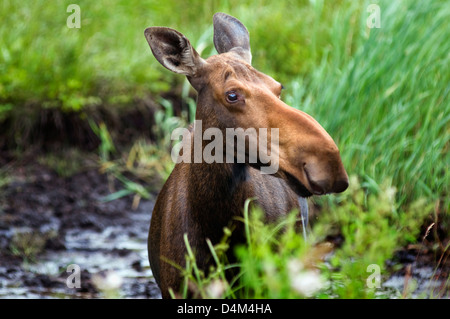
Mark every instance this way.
x=112 y=253
x=420 y=276
x=105 y=241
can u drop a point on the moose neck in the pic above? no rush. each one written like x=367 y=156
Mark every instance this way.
x=216 y=190
x=214 y=187
x=216 y=194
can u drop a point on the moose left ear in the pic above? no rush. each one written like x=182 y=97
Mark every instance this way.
x=231 y=35
x=174 y=51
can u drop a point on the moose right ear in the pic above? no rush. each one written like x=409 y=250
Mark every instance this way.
x=174 y=51
x=231 y=35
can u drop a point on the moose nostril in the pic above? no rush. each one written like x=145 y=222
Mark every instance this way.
x=340 y=186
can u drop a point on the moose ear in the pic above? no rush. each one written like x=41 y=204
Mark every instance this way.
x=174 y=51
x=231 y=35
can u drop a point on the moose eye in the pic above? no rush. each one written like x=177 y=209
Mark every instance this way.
x=232 y=97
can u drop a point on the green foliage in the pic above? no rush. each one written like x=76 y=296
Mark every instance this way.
x=166 y=123
x=142 y=167
x=117 y=168
x=27 y=245
x=373 y=229
x=214 y=284
x=42 y=59
x=106 y=147
x=108 y=61
x=147 y=164
x=277 y=263
x=273 y=262
x=382 y=94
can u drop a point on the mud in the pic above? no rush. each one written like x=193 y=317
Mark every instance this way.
x=66 y=222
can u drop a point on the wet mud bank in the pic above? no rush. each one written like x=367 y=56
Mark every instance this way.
x=48 y=223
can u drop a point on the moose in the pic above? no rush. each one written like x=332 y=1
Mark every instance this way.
x=200 y=199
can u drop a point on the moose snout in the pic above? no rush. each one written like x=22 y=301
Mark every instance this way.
x=322 y=187
x=325 y=179
x=340 y=185
x=313 y=157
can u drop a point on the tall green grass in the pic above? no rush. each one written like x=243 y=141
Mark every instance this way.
x=387 y=104
x=44 y=62
x=108 y=61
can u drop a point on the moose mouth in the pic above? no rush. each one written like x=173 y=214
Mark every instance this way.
x=297 y=186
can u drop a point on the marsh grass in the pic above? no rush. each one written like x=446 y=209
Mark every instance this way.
x=141 y=168
x=276 y=262
x=387 y=104
x=108 y=61
x=27 y=245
